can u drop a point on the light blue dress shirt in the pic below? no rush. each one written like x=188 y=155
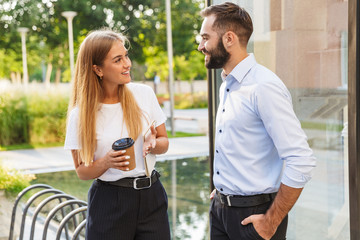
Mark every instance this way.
x=259 y=141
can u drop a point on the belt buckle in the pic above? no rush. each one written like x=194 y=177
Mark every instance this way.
x=228 y=200
x=227 y=197
x=138 y=188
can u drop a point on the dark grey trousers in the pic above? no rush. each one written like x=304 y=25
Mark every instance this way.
x=225 y=222
x=124 y=213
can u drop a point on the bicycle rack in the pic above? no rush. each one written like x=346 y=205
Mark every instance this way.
x=43 y=204
x=28 y=203
x=56 y=209
x=17 y=200
x=65 y=204
x=67 y=218
x=78 y=229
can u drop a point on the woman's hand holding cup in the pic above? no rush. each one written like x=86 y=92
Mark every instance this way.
x=117 y=159
x=122 y=155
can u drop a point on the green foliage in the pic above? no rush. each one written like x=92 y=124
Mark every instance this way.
x=183 y=134
x=47 y=117
x=14 y=181
x=186 y=22
x=144 y=22
x=32 y=118
x=157 y=62
x=10 y=61
x=31 y=146
x=322 y=126
x=188 y=100
x=14 y=120
x=190 y=68
x=66 y=75
x=39 y=119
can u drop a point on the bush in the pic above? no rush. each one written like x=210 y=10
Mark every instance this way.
x=13 y=181
x=14 y=122
x=39 y=117
x=32 y=118
x=47 y=118
x=186 y=100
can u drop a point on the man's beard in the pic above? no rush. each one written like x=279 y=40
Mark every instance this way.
x=218 y=56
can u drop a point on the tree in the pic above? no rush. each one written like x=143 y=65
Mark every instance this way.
x=191 y=68
x=46 y=23
x=157 y=64
x=142 y=20
x=185 y=27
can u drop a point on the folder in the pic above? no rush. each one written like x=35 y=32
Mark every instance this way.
x=150 y=159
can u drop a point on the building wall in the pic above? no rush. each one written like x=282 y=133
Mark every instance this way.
x=305 y=42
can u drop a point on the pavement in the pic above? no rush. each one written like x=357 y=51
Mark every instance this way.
x=56 y=159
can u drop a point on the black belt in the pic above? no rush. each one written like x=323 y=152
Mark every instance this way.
x=136 y=183
x=245 y=201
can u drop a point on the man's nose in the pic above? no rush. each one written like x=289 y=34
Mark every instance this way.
x=201 y=46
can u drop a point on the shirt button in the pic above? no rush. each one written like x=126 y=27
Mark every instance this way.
x=221 y=189
x=217 y=173
x=217 y=151
x=228 y=90
x=220 y=131
x=224 y=110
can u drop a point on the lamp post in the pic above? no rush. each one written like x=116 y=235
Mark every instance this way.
x=170 y=59
x=69 y=15
x=23 y=31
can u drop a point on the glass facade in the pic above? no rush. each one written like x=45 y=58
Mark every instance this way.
x=305 y=44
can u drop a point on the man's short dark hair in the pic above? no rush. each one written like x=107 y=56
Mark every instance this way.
x=230 y=17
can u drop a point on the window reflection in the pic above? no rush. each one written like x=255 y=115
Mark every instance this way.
x=305 y=44
x=187 y=184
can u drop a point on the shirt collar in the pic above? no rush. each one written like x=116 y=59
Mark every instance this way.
x=240 y=70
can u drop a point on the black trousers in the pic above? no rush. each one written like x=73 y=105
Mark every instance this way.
x=225 y=222
x=123 y=213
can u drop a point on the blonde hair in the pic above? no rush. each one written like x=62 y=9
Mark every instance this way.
x=87 y=92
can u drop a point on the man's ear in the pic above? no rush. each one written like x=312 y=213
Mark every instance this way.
x=229 y=38
x=97 y=71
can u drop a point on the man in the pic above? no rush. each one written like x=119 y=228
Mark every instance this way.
x=262 y=158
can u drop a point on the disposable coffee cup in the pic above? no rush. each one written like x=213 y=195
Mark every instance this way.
x=128 y=145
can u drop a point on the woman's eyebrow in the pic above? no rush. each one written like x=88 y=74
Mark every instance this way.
x=119 y=56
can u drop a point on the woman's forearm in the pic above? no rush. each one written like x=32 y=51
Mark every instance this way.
x=94 y=170
x=162 y=145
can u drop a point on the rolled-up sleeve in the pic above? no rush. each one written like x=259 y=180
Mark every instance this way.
x=275 y=108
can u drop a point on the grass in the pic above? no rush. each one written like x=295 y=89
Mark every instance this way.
x=305 y=125
x=183 y=134
x=59 y=144
x=30 y=146
x=322 y=126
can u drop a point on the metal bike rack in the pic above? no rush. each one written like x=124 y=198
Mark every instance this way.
x=56 y=209
x=67 y=218
x=17 y=200
x=63 y=204
x=29 y=202
x=43 y=204
x=78 y=229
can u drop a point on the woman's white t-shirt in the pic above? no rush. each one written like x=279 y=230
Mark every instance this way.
x=111 y=127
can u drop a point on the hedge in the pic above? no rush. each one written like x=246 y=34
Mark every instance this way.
x=34 y=118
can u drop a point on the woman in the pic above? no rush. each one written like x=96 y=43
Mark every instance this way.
x=104 y=107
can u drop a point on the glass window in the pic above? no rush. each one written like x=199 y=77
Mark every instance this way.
x=305 y=44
